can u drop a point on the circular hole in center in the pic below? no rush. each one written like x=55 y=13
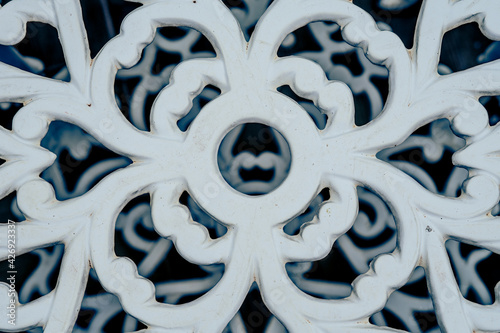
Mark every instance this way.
x=254 y=158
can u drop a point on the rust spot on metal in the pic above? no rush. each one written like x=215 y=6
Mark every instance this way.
x=420 y=261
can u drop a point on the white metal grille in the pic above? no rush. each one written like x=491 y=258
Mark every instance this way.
x=258 y=233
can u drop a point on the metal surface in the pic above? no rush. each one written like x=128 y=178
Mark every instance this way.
x=253 y=237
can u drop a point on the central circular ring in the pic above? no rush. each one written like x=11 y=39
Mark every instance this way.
x=254 y=158
x=208 y=187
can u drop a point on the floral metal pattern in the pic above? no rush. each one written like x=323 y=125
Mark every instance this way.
x=167 y=161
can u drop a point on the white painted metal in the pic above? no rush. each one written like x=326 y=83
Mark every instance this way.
x=167 y=162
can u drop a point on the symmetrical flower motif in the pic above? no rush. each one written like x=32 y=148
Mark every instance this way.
x=166 y=162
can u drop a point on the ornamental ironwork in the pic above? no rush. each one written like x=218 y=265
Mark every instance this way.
x=184 y=151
